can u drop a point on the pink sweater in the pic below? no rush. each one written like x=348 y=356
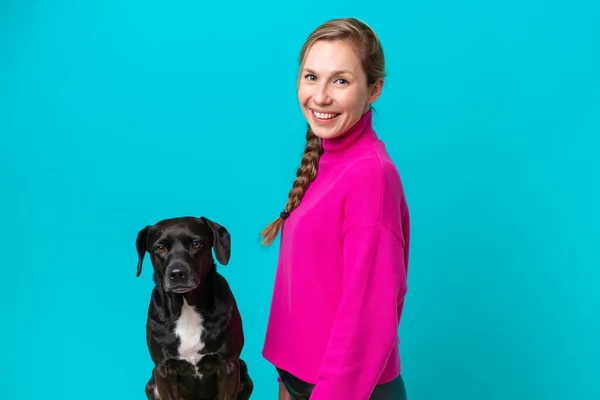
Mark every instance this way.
x=341 y=276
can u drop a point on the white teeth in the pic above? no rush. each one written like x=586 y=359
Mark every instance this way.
x=324 y=115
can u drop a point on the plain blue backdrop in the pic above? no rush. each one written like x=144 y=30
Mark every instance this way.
x=115 y=114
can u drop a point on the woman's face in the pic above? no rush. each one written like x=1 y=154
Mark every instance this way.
x=332 y=90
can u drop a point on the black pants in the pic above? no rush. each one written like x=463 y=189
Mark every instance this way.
x=300 y=390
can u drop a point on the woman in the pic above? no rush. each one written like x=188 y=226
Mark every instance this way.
x=341 y=276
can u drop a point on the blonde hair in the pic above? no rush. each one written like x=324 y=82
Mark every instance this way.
x=367 y=46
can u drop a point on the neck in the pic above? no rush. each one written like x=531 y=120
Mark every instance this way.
x=350 y=136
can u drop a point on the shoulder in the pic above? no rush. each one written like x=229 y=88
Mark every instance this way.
x=374 y=170
x=373 y=191
x=372 y=184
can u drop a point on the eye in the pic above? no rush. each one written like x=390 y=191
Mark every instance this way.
x=196 y=244
x=310 y=77
x=160 y=249
x=341 y=81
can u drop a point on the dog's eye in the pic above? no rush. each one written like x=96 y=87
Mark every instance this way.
x=160 y=249
x=196 y=244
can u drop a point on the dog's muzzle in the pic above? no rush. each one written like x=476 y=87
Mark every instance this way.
x=180 y=278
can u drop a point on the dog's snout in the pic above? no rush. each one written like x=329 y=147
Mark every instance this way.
x=178 y=275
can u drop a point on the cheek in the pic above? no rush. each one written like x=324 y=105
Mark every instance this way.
x=203 y=262
x=157 y=263
x=353 y=100
x=304 y=94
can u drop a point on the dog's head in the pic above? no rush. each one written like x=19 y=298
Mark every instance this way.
x=181 y=251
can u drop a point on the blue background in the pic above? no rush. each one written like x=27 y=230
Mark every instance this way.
x=114 y=115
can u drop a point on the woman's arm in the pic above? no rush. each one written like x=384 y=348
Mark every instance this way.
x=365 y=329
x=366 y=324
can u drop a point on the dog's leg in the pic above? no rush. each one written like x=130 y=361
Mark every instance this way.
x=229 y=381
x=172 y=377
x=164 y=385
x=246 y=384
x=173 y=383
x=151 y=389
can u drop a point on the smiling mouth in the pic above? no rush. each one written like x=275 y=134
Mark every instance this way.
x=324 y=116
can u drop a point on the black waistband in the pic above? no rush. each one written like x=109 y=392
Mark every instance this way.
x=300 y=389
x=296 y=386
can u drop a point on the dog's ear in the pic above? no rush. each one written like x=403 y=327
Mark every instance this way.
x=221 y=241
x=140 y=244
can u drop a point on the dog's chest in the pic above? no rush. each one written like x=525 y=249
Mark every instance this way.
x=189 y=330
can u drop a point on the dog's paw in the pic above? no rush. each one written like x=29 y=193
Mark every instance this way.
x=209 y=363
x=178 y=367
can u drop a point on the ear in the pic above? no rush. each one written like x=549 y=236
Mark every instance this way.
x=140 y=244
x=375 y=91
x=221 y=241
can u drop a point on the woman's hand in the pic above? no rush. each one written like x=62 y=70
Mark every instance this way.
x=283 y=393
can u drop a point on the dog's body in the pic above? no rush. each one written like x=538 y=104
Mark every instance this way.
x=194 y=329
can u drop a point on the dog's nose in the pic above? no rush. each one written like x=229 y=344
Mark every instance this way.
x=178 y=275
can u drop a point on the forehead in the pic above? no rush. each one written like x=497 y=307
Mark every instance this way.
x=179 y=228
x=330 y=56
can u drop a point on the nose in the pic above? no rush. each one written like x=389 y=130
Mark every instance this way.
x=322 y=95
x=178 y=275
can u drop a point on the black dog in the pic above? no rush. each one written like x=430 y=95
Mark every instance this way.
x=194 y=329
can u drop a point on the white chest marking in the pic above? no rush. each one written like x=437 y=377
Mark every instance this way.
x=189 y=330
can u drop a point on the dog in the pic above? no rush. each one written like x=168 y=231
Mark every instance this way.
x=194 y=329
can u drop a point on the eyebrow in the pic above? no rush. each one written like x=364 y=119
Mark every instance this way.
x=339 y=72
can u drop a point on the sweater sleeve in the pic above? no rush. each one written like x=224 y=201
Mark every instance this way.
x=365 y=329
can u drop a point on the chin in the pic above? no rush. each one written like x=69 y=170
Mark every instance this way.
x=327 y=131
x=324 y=133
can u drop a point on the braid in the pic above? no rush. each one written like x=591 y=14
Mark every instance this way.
x=305 y=174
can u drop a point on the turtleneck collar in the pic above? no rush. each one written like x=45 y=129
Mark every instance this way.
x=349 y=137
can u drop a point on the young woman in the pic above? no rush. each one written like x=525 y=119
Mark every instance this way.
x=341 y=276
